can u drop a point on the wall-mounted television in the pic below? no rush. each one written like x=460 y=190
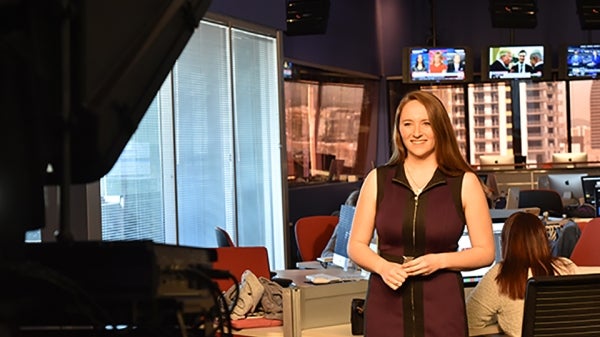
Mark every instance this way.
x=509 y=62
x=437 y=65
x=579 y=61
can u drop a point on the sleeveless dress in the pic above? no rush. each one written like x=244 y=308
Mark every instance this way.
x=407 y=225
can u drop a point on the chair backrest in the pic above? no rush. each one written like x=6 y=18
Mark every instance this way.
x=587 y=249
x=567 y=305
x=546 y=200
x=236 y=260
x=223 y=238
x=313 y=233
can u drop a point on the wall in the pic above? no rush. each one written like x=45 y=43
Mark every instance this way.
x=349 y=43
x=468 y=23
x=368 y=36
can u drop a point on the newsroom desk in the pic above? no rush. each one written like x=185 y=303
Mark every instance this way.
x=311 y=310
x=340 y=326
x=310 y=306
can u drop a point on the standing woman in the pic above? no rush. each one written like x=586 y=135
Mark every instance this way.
x=419 y=204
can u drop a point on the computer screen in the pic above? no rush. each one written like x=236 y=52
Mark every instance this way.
x=588 y=183
x=471 y=277
x=568 y=185
x=340 y=251
x=496 y=162
x=569 y=159
x=483 y=177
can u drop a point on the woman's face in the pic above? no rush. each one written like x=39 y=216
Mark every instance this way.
x=416 y=130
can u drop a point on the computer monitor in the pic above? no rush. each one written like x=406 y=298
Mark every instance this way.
x=471 y=277
x=483 y=177
x=569 y=159
x=589 y=183
x=512 y=198
x=568 y=185
x=496 y=162
x=340 y=251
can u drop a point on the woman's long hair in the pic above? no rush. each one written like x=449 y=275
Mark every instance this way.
x=525 y=247
x=450 y=160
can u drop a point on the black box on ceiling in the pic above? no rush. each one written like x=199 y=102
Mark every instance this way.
x=306 y=17
x=513 y=13
x=589 y=13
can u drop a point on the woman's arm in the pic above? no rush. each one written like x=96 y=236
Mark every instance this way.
x=363 y=227
x=479 y=226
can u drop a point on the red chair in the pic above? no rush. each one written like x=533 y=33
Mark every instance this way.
x=587 y=249
x=237 y=259
x=313 y=233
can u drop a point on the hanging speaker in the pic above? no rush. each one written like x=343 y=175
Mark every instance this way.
x=589 y=13
x=513 y=13
x=306 y=17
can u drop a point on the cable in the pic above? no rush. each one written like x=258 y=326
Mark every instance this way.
x=221 y=314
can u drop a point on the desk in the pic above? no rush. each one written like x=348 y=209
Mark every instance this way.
x=308 y=306
x=341 y=330
x=308 y=315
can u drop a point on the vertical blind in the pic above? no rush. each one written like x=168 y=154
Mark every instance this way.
x=208 y=151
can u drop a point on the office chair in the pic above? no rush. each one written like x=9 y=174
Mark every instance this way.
x=223 y=238
x=566 y=305
x=547 y=200
x=237 y=259
x=587 y=249
x=313 y=233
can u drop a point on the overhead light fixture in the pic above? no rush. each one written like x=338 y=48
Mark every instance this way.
x=307 y=17
x=513 y=14
x=589 y=13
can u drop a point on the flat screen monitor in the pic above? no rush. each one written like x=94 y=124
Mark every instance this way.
x=509 y=62
x=589 y=183
x=471 y=277
x=512 y=197
x=496 y=161
x=568 y=159
x=580 y=61
x=568 y=185
x=437 y=65
x=483 y=177
x=340 y=250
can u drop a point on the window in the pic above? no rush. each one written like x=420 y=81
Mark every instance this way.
x=208 y=151
x=585 y=117
x=490 y=130
x=543 y=119
x=328 y=118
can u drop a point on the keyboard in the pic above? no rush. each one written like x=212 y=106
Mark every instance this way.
x=322 y=278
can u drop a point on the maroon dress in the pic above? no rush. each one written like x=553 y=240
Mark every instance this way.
x=407 y=225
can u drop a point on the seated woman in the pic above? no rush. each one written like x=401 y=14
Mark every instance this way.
x=499 y=297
